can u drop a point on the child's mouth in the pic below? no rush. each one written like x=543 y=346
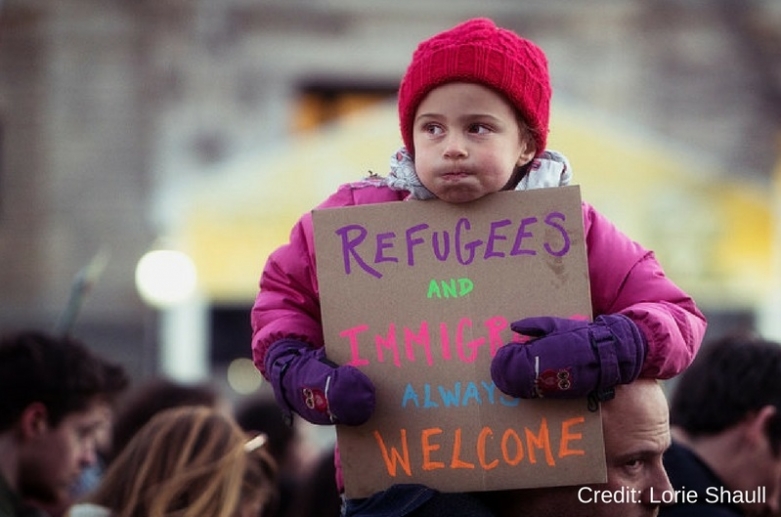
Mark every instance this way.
x=455 y=175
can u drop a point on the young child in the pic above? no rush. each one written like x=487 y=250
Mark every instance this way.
x=474 y=108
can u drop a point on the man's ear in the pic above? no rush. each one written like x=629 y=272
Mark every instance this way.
x=34 y=420
x=759 y=422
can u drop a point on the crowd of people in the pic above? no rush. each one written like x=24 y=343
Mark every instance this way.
x=163 y=448
x=78 y=440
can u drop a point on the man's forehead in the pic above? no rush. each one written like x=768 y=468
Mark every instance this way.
x=638 y=413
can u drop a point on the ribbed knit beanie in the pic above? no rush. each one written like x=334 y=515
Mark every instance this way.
x=478 y=51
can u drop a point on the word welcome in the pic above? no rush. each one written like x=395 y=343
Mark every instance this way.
x=500 y=239
x=487 y=450
x=412 y=343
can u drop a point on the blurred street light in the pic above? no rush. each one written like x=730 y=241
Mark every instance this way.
x=165 y=278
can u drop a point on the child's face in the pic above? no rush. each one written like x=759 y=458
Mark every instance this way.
x=467 y=142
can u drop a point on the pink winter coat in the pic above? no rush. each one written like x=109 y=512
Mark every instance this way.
x=625 y=278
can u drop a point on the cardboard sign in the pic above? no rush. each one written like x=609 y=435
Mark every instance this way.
x=420 y=295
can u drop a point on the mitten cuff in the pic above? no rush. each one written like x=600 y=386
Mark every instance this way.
x=603 y=343
x=279 y=358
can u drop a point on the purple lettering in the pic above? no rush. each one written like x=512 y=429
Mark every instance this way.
x=462 y=226
x=382 y=245
x=550 y=220
x=412 y=242
x=493 y=237
x=520 y=235
x=443 y=252
x=349 y=245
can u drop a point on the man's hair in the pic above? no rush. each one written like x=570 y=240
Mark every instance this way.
x=59 y=372
x=730 y=378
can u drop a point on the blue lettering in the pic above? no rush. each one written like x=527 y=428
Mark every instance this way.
x=409 y=395
x=450 y=398
x=427 y=397
x=471 y=393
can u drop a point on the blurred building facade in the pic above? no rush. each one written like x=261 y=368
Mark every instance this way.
x=110 y=113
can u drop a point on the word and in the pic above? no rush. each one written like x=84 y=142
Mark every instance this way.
x=410 y=343
x=487 y=450
x=446 y=397
x=453 y=288
x=502 y=238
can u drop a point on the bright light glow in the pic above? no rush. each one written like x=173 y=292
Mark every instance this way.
x=165 y=278
x=243 y=377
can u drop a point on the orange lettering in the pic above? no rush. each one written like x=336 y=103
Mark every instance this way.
x=429 y=447
x=567 y=436
x=542 y=441
x=510 y=433
x=481 y=438
x=392 y=459
x=457 y=462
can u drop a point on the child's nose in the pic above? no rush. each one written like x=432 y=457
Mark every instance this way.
x=455 y=146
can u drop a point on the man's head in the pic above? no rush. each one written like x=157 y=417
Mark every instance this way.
x=730 y=379
x=54 y=391
x=725 y=408
x=636 y=433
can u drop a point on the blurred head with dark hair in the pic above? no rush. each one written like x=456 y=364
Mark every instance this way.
x=732 y=378
x=53 y=395
x=726 y=425
x=264 y=416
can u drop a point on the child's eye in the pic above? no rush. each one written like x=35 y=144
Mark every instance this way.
x=433 y=129
x=480 y=129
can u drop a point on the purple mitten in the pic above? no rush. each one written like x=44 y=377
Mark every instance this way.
x=569 y=358
x=306 y=382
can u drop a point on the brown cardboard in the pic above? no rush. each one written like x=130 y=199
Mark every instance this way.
x=423 y=324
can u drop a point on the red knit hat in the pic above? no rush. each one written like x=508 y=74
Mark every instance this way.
x=478 y=51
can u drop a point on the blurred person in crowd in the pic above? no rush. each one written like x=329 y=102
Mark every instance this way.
x=318 y=495
x=189 y=461
x=89 y=477
x=151 y=397
x=54 y=392
x=726 y=454
x=262 y=415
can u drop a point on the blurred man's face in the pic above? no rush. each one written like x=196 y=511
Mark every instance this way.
x=51 y=460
